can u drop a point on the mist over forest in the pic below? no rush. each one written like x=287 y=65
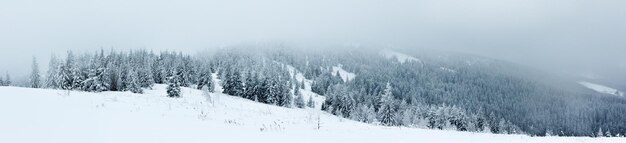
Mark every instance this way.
x=578 y=38
x=531 y=68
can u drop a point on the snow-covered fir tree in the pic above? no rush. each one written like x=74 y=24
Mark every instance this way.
x=7 y=80
x=252 y=86
x=310 y=103
x=35 y=77
x=386 y=110
x=299 y=100
x=133 y=84
x=233 y=84
x=173 y=86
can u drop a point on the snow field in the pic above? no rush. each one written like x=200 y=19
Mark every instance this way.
x=44 y=115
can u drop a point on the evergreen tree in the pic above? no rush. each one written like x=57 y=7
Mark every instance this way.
x=35 y=78
x=123 y=80
x=95 y=81
x=299 y=101
x=210 y=84
x=205 y=79
x=133 y=82
x=251 y=86
x=7 y=79
x=69 y=73
x=233 y=85
x=284 y=92
x=502 y=126
x=310 y=103
x=173 y=86
x=146 y=79
x=158 y=70
x=386 y=110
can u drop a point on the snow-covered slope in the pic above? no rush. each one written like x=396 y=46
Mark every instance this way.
x=43 y=115
x=447 y=69
x=345 y=75
x=306 y=92
x=402 y=58
x=601 y=88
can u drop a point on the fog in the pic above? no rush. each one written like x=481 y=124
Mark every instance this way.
x=580 y=37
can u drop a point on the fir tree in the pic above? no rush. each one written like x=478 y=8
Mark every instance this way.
x=146 y=79
x=7 y=79
x=251 y=86
x=299 y=101
x=386 y=110
x=233 y=85
x=310 y=103
x=133 y=82
x=68 y=73
x=284 y=92
x=173 y=86
x=35 y=78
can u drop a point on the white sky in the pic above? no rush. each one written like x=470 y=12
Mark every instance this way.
x=549 y=34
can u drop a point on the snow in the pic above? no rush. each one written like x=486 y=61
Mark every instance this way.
x=447 y=69
x=345 y=75
x=45 y=115
x=402 y=58
x=306 y=92
x=601 y=88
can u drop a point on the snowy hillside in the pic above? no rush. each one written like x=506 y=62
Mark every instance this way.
x=76 y=117
x=601 y=88
x=345 y=75
x=402 y=58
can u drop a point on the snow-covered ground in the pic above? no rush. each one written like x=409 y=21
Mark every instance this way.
x=44 y=115
x=402 y=58
x=447 y=69
x=601 y=88
x=306 y=92
x=345 y=75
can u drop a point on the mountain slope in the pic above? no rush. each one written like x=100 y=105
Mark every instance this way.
x=601 y=88
x=59 y=116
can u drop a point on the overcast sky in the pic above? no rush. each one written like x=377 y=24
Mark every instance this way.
x=585 y=35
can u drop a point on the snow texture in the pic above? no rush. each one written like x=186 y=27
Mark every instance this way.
x=402 y=58
x=45 y=115
x=306 y=92
x=447 y=69
x=345 y=75
x=602 y=88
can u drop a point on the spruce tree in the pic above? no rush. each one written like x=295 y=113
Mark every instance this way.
x=68 y=73
x=250 y=86
x=133 y=82
x=310 y=103
x=299 y=101
x=7 y=79
x=146 y=79
x=35 y=78
x=386 y=110
x=233 y=85
x=173 y=86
